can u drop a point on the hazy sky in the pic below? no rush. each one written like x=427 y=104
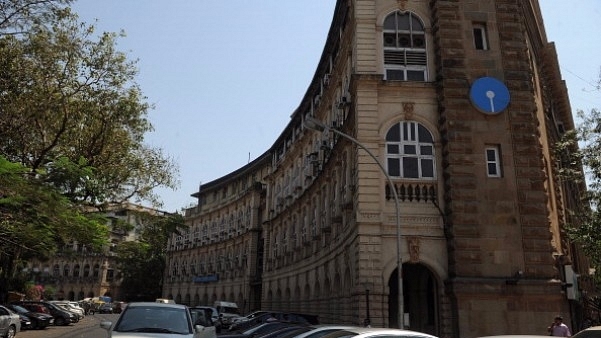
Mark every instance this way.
x=225 y=76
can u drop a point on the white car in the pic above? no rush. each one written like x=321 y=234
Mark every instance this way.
x=10 y=322
x=322 y=330
x=368 y=332
x=160 y=320
x=69 y=306
x=591 y=332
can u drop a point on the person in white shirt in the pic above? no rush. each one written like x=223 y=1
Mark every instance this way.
x=558 y=328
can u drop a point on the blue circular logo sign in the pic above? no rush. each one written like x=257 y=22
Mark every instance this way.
x=489 y=95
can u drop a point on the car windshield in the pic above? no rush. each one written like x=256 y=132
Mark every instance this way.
x=20 y=309
x=154 y=319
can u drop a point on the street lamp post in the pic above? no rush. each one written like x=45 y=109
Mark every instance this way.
x=316 y=125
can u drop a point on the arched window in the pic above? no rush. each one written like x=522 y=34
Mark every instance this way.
x=76 y=269
x=86 y=270
x=410 y=151
x=66 y=270
x=404 y=41
x=96 y=271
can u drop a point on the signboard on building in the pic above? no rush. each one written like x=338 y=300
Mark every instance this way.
x=206 y=279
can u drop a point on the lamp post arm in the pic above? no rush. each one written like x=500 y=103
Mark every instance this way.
x=398 y=221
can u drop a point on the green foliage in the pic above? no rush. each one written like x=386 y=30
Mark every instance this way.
x=72 y=125
x=578 y=149
x=143 y=262
x=17 y=16
x=69 y=104
x=36 y=220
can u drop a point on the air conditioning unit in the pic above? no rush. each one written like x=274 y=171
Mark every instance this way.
x=316 y=99
x=343 y=102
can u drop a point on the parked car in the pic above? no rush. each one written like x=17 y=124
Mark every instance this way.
x=159 y=320
x=517 y=336
x=228 y=312
x=249 y=316
x=37 y=320
x=206 y=316
x=67 y=306
x=105 y=308
x=262 y=329
x=61 y=316
x=591 y=332
x=288 y=332
x=261 y=317
x=319 y=331
x=367 y=332
x=25 y=321
x=10 y=322
x=118 y=307
x=70 y=306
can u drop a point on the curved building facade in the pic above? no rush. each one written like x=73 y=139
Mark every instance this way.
x=432 y=191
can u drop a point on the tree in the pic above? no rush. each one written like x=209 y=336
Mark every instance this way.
x=578 y=149
x=17 y=16
x=68 y=98
x=72 y=125
x=586 y=232
x=36 y=220
x=143 y=262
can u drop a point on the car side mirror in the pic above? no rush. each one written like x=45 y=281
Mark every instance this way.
x=106 y=325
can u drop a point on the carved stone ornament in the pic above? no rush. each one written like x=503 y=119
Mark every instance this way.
x=408 y=108
x=413 y=244
x=402 y=4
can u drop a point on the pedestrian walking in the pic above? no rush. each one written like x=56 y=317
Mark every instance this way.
x=558 y=328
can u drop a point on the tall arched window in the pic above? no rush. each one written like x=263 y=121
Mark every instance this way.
x=404 y=40
x=410 y=151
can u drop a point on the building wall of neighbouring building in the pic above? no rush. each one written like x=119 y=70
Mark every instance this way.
x=442 y=117
x=76 y=272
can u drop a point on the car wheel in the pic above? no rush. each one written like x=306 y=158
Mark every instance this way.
x=12 y=331
x=59 y=321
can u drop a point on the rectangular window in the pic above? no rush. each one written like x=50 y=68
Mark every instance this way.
x=480 y=38
x=394 y=167
x=493 y=162
x=410 y=167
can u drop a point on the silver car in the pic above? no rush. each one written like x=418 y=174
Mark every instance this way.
x=158 y=319
x=10 y=323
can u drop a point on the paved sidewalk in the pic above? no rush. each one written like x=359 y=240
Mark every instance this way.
x=52 y=331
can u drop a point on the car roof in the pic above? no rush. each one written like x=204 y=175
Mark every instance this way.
x=358 y=331
x=154 y=304
x=324 y=327
x=590 y=332
x=516 y=336
x=593 y=328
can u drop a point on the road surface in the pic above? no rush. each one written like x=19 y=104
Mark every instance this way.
x=88 y=327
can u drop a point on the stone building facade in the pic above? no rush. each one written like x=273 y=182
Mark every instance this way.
x=441 y=118
x=76 y=272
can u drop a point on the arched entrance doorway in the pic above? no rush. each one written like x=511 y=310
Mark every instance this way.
x=420 y=299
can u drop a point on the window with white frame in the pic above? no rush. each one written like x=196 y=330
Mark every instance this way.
x=480 y=36
x=410 y=151
x=404 y=40
x=493 y=161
